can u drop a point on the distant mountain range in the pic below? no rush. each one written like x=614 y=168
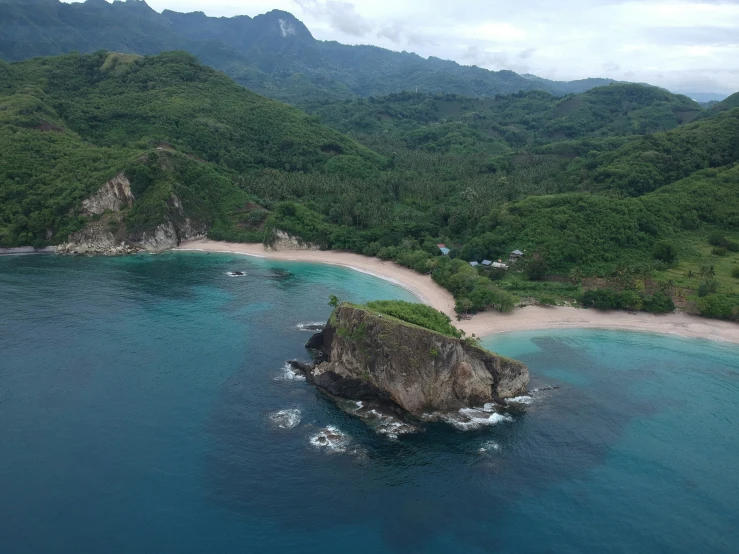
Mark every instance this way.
x=273 y=54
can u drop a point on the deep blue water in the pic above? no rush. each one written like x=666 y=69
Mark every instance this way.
x=135 y=402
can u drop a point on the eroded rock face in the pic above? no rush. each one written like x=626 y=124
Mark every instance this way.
x=176 y=229
x=108 y=234
x=361 y=355
x=114 y=196
x=283 y=241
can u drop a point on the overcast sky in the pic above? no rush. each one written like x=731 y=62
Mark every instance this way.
x=688 y=46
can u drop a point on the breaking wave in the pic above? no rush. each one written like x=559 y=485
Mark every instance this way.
x=313 y=326
x=520 y=400
x=471 y=418
x=331 y=439
x=289 y=374
x=489 y=446
x=286 y=419
x=388 y=425
x=236 y=273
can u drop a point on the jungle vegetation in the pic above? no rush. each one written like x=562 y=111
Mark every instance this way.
x=632 y=190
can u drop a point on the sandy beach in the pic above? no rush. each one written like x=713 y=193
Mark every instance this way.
x=487 y=323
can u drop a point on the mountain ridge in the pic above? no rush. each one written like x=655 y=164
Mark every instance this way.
x=274 y=53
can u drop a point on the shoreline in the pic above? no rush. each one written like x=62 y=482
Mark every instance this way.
x=530 y=318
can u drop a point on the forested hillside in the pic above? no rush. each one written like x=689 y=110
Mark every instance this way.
x=606 y=212
x=523 y=119
x=273 y=54
x=70 y=123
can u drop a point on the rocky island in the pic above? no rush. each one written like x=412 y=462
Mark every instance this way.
x=408 y=361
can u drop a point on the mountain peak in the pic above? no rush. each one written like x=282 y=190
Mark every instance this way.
x=135 y=4
x=286 y=23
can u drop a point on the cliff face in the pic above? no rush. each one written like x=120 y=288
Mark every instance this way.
x=364 y=355
x=113 y=196
x=106 y=232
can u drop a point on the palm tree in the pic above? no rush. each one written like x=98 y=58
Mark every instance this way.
x=670 y=287
x=576 y=275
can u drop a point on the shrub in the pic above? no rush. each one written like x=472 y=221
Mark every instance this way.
x=417 y=314
x=632 y=300
x=707 y=287
x=719 y=306
x=608 y=299
x=719 y=251
x=658 y=303
x=719 y=240
x=735 y=273
x=601 y=299
x=665 y=252
x=536 y=268
x=547 y=301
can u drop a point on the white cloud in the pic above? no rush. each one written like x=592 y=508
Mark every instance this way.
x=681 y=44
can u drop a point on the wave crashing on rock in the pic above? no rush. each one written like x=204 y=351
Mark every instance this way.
x=286 y=419
x=289 y=373
x=469 y=419
x=331 y=439
x=312 y=326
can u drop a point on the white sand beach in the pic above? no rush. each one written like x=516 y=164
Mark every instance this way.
x=487 y=323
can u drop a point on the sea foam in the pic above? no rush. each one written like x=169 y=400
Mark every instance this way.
x=472 y=418
x=311 y=326
x=286 y=419
x=331 y=439
x=489 y=446
x=289 y=374
x=520 y=400
x=387 y=425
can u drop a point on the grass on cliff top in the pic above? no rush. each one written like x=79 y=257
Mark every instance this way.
x=417 y=314
x=422 y=316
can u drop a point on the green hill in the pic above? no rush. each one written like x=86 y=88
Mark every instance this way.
x=70 y=123
x=728 y=104
x=531 y=118
x=657 y=160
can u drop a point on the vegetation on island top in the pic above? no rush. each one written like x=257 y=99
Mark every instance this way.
x=587 y=206
x=417 y=314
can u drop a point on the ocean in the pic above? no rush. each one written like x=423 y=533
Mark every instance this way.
x=145 y=407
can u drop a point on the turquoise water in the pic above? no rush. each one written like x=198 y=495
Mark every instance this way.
x=137 y=404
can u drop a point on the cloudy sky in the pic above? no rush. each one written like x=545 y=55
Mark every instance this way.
x=683 y=45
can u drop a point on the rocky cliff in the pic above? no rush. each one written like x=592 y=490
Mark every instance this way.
x=114 y=196
x=364 y=355
x=106 y=232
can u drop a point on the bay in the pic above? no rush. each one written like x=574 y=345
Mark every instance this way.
x=145 y=407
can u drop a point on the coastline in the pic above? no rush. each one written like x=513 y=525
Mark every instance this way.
x=530 y=318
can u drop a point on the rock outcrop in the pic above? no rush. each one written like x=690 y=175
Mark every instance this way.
x=113 y=196
x=106 y=232
x=363 y=355
x=280 y=240
x=176 y=228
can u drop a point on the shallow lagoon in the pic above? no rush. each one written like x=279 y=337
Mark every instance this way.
x=140 y=405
